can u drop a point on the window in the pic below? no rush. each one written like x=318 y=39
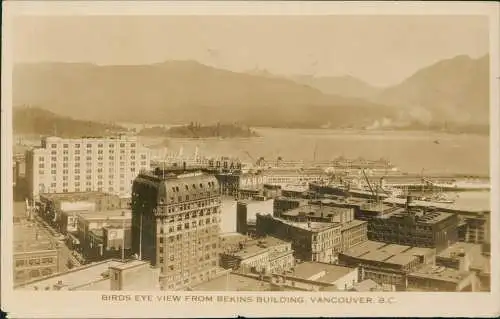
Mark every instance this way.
x=100 y=145
x=54 y=145
x=54 y=159
x=89 y=158
x=53 y=172
x=77 y=158
x=41 y=159
x=77 y=171
x=111 y=158
x=53 y=165
x=65 y=152
x=89 y=145
x=65 y=171
x=77 y=145
x=65 y=145
x=41 y=165
x=65 y=164
x=132 y=145
x=122 y=144
x=77 y=151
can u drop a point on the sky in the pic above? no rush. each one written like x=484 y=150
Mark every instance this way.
x=381 y=50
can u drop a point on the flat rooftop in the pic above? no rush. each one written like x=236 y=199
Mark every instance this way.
x=251 y=247
x=312 y=210
x=129 y=264
x=74 y=196
x=426 y=217
x=367 y=285
x=233 y=282
x=440 y=273
x=74 y=277
x=116 y=214
x=353 y=223
x=459 y=206
x=475 y=252
x=321 y=271
x=29 y=236
x=387 y=253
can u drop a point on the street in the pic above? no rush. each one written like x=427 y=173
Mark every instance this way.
x=65 y=255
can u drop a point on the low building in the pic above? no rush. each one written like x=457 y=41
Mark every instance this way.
x=103 y=234
x=261 y=255
x=294 y=191
x=316 y=276
x=474 y=228
x=466 y=257
x=367 y=285
x=35 y=254
x=228 y=281
x=133 y=275
x=53 y=205
x=387 y=264
x=435 y=278
x=291 y=176
x=311 y=241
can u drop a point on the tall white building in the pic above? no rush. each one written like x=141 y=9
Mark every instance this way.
x=85 y=164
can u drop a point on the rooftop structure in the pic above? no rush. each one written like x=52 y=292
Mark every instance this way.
x=117 y=214
x=377 y=252
x=321 y=271
x=366 y=286
x=233 y=282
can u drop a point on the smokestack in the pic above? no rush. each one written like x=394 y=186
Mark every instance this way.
x=409 y=200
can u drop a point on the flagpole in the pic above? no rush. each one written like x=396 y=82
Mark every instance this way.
x=123 y=240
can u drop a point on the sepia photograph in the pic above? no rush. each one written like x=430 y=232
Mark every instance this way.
x=265 y=159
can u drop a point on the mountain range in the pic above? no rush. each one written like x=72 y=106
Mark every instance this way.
x=178 y=92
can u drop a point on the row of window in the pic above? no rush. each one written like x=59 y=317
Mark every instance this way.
x=35 y=261
x=89 y=145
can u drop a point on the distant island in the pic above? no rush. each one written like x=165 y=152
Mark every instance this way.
x=196 y=130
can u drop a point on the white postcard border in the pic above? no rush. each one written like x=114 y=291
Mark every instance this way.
x=90 y=305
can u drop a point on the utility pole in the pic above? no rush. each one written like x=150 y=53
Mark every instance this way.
x=123 y=240
x=140 y=237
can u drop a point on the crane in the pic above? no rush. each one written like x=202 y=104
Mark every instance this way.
x=369 y=185
x=251 y=157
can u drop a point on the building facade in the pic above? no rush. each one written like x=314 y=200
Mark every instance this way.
x=85 y=164
x=430 y=229
x=265 y=255
x=176 y=224
x=311 y=241
x=35 y=254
